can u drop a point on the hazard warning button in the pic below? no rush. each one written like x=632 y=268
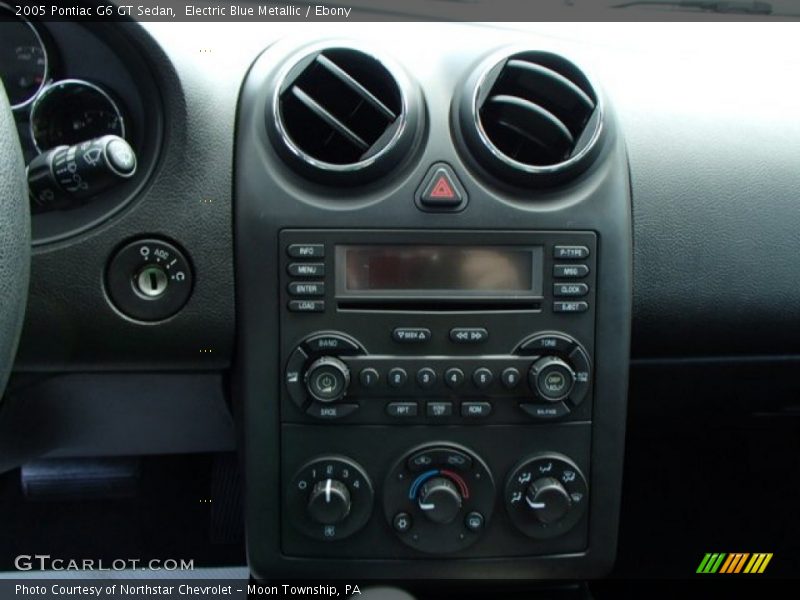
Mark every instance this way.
x=441 y=190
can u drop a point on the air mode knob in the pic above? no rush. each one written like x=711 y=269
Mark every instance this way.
x=440 y=500
x=327 y=379
x=548 y=500
x=329 y=502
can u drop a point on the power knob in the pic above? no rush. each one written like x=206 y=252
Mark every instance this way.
x=327 y=379
x=329 y=502
x=440 y=500
x=548 y=500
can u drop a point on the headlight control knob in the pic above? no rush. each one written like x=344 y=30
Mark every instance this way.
x=329 y=502
x=327 y=379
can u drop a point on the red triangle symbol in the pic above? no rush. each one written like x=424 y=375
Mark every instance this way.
x=442 y=188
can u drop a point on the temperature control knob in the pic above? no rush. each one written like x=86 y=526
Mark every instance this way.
x=327 y=379
x=548 y=500
x=439 y=500
x=329 y=502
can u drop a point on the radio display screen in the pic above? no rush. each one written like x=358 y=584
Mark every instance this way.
x=432 y=270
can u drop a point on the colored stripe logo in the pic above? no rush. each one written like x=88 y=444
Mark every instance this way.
x=736 y=562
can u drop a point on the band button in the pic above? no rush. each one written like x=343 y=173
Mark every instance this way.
x=331 y=343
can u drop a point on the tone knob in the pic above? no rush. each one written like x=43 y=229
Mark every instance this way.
x=327 y=379
x=329 y=502
x=551 y=378
x=440 y=500
x=548 y=500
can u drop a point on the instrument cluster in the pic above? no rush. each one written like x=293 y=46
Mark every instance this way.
x=89 y=115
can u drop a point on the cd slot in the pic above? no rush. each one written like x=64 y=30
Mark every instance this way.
x=523 y=304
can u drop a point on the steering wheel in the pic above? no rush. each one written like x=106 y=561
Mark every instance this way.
x=15 y=238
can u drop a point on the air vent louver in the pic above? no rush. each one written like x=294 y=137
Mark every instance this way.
x=533 y=115
x=339 y=111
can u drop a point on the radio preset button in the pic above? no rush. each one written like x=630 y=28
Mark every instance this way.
x=426 y=378
x=570 y=271
x=411 y=335
x=510 y=377
x=468 y=335
x=369 y=377
x=475 y=409
x=439 y=409
x=571 y=252
x=307 y=306
x=401 y=409
x=570 y=307
x=397 y=377
x=307 y=288
x=482 y=378
x=306 y=269
x=546 y=412
x=306 y=250
x=575 y=290
x=454 y=378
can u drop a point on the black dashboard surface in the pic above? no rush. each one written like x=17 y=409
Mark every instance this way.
x=713 y=172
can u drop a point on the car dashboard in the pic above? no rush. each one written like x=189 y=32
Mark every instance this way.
x=405 y=270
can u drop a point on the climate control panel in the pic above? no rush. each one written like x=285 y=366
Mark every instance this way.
x=443 y=497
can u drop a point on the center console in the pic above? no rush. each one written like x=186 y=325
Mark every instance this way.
x=432 y=342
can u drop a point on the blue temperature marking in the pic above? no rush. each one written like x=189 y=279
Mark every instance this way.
x=412 y=492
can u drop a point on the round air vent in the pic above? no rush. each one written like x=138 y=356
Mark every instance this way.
x=533 y=118
x=340 y=115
